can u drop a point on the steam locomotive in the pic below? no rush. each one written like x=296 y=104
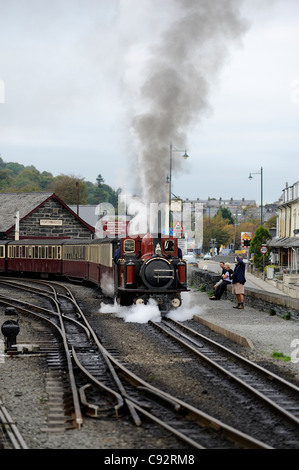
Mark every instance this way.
x=131 y=269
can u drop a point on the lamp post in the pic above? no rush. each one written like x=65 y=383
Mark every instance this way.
x=250 y=177
x=185 y=156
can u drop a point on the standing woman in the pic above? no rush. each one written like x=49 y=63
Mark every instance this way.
x=238 y=281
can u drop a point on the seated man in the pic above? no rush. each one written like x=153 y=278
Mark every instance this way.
x=226 y=279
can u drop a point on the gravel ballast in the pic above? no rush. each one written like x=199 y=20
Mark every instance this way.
x=23 y=377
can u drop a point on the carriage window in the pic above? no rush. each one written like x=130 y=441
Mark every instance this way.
x=129 y=246
x=11 y=251
x=169 y=245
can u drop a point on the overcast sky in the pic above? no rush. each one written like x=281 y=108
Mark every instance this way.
x=72 y=73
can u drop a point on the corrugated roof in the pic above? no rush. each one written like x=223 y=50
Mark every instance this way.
x=87 y=213
x=284 y=242
x=10 y=203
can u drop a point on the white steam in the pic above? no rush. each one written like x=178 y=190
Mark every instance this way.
x=142 y=313
x=107 y=285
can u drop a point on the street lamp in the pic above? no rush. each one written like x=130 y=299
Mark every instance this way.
x=250 y=177
x=185 y=156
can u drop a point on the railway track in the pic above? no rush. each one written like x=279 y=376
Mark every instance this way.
x=101 y=385
x=277 y=394
x=10 y=437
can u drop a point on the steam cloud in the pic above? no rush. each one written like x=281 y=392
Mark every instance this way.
x=179 y=71
x=143 y=313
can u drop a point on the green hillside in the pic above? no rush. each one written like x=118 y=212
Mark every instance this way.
x=16 y=177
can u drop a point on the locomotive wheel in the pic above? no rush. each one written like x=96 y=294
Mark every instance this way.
x=125 y=299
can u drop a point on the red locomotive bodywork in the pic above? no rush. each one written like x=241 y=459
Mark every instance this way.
x=150 y=267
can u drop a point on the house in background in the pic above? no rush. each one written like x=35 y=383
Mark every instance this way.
x=285 y=247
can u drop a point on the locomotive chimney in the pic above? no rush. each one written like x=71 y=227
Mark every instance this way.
x=157 y=240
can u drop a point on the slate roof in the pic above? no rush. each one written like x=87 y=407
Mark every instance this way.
x=25 y=203
x=10 y=203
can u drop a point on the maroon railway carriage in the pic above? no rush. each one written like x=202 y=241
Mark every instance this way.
x=101 y=263
x=3 y=251
x=90 y=260
x=75 y=259
x=34 y=256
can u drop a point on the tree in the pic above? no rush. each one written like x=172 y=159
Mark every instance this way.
x=6 y=178
x=46 y=179
x=102 y=193
x=226 y=215
x=217 y=228
x=260 y=238
x=15 y=167
x=271 y=222
x=100 y=180
x=28 y=179
x=66 y=188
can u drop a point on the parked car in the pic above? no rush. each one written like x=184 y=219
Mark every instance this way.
x=207 y=256
x=191 y=260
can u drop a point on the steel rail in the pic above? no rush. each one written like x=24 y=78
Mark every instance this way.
x=103 y=387
x=232 y=353
x=192 y=413
x=11 y=429
x=196 y=415
x=225 y=371
x=61 y=329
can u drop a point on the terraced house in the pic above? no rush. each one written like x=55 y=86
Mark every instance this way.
x=285 y=247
